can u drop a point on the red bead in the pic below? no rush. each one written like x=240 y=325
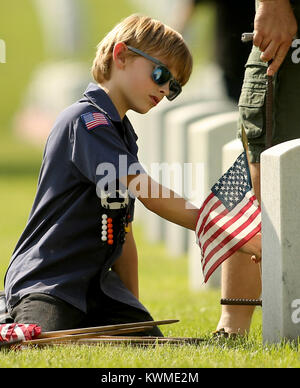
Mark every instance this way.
x=110 y=242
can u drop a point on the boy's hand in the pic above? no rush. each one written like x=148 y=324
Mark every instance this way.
x=253 y=248
x=275 y=26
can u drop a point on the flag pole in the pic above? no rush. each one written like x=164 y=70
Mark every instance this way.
x=246 y=148
x=234 y=301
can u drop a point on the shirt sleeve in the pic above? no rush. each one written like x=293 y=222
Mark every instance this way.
x=101 y=155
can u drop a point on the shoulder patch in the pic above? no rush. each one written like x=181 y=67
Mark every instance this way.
x=94 y=119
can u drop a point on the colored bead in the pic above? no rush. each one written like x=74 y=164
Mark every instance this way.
x=110 y=242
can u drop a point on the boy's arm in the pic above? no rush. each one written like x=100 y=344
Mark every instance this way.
x=126 y=266
x=163 y=201
x=170 y=206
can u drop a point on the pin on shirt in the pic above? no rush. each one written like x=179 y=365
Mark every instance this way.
x=107 y=234
x=92 y=120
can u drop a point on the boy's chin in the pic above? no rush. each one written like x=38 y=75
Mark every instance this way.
x=142 y=111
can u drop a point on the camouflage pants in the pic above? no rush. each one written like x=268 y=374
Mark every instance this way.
x=286 y=103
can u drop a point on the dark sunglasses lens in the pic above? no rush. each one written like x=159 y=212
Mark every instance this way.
x=175 y=90
x=161 y=75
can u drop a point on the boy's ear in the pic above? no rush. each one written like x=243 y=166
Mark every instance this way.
x=119 y=54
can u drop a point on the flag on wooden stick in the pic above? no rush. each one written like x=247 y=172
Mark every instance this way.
x=10 y=332
x=229 y=217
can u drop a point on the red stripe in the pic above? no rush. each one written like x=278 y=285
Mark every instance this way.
x=217 y=218
x=30 y=332
x=215 y=206
x=203 y=206
x=215 y=221
x=231 y=252
x=100 y=120
x=231 y=236
x=97 y=114
x=228 y=223
x=93 y=124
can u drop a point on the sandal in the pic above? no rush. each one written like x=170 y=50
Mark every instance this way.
x=221 y=333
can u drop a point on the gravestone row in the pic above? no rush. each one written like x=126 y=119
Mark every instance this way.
x=204 y=132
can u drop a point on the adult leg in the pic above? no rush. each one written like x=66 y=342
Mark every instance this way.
x=241 y=278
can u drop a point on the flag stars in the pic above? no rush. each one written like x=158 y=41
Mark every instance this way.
x=233 y=185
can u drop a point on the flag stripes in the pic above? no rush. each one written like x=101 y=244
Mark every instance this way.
x=229 y=217
x=94 y=119
x=10 y=332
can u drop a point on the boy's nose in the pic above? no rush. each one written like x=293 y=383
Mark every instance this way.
x=164 y=89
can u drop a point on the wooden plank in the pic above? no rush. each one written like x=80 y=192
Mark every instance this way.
x=59 y=333
x=76 y=337
x=114 y=341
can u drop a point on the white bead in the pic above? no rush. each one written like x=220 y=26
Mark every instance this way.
x=104 y=238
x=104 y=227
x=104 y=216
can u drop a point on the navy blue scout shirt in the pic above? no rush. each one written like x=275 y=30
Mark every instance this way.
x=61 y=248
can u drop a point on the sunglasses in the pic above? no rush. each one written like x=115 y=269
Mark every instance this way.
x=161 y=75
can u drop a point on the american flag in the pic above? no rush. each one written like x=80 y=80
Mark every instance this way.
x=228 y=218
x=94 y=119
x=10 y=332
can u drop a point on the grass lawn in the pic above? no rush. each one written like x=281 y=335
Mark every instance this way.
x=163 y=289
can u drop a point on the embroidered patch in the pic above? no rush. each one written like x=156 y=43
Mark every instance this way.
x=94 y=119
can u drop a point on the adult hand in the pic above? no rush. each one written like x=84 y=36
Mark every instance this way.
x=275 y=26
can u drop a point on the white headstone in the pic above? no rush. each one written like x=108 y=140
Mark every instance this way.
x=280 y=188
x=230 y=152
x=206 y=140
x=147 y=127
x=175 y=156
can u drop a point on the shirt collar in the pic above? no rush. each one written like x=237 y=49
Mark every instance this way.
x=101 y=100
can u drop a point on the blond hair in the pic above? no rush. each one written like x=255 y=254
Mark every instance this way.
x=150 y=36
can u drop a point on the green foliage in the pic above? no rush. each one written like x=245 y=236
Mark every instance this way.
x=19 y=28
